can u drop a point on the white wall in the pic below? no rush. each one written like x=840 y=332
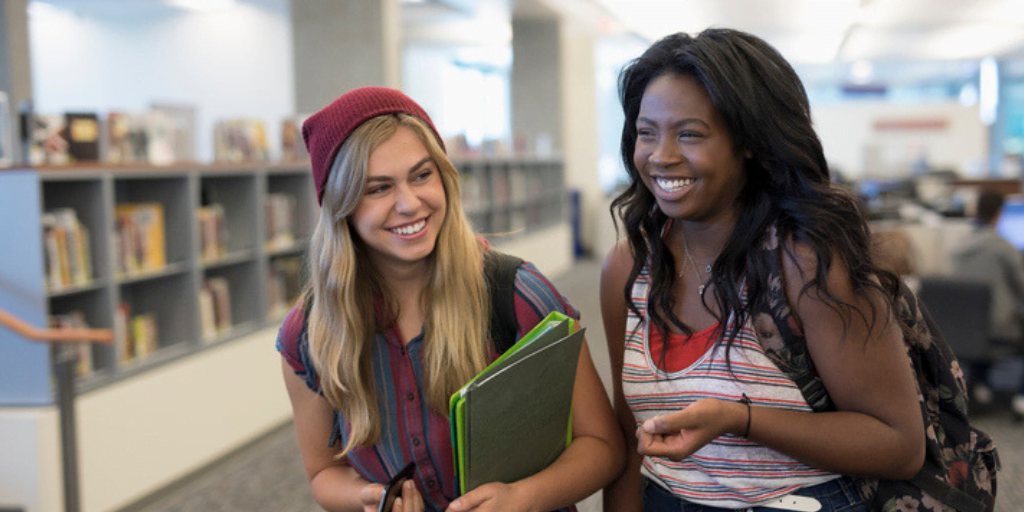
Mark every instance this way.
x=141 y=434
x=235 y=62
x=847 y=129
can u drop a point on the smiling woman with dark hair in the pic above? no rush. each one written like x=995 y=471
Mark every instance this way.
x=737 y=241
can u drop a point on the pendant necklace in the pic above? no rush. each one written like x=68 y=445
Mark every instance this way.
x=707 y=269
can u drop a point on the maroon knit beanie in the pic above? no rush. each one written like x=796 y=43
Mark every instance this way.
x=325 y=131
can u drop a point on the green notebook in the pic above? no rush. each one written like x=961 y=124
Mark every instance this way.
x=515 y=417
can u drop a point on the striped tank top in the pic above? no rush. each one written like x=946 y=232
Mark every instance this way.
x=729 y=472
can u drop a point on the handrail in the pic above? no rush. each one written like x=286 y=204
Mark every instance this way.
x=63 y=335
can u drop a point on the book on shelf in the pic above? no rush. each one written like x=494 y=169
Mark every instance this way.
x=47 y=143
x=83 y=351
x=140 y=238
x=145 y=337
x=284 y=284
x=173 y=137
x=82 y=132
x=135 y=336
x=292 y=147
x=500 y=193
x=207 y=318
x=240 y=140
x=212 y=235
x=280 y=221
x=160 y=136
x=68 y=259
x=515 y=417
x=215 y=308
x=474 y=190
x=127 y=138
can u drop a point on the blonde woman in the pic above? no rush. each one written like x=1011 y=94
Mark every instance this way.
x=397 y=320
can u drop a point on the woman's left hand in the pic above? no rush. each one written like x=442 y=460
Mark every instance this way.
x=492 y=497
x=680 y=434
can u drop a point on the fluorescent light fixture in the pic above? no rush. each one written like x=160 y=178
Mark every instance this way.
x=988 y=79
x=970 y=41
x=202 y=5
x=861 y=72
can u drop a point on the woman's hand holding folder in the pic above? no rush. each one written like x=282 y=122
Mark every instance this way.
x=492 y=497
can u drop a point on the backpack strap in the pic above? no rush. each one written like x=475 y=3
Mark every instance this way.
x=947 y=494
x=500 y=272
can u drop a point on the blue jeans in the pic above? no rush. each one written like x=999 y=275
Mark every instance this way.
x=839 y=495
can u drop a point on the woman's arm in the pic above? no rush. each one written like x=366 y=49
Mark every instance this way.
x=623 y=494
x=877 y=431
x=336 y=486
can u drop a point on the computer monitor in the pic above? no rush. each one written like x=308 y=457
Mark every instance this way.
x=1011 y=222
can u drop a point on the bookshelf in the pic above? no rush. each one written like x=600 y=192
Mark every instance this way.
x=158 y=296
x=263 y=216
x=513 y=197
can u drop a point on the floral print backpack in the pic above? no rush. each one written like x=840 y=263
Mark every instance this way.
x=961 y=462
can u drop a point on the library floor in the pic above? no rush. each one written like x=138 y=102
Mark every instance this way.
x=267 y=475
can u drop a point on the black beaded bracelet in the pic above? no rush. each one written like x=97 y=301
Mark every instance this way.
x=746 y=401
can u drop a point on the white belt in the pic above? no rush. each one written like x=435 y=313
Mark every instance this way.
x=797 y=503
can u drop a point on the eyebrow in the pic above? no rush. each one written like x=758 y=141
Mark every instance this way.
x=416 y=166
x=680 y=122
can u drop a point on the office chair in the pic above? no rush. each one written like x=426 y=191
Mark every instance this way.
x=960 y=309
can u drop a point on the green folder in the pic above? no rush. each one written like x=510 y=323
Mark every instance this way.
x=515 y=417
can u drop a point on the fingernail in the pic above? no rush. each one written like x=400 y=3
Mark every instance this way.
x=649 y=426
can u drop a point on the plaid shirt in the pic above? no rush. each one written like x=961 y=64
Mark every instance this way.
x=410 y=431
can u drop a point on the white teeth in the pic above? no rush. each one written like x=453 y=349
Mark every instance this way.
x=673 y=185
x=411 y=228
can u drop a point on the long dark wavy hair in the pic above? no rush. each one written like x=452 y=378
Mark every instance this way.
x=787 y=183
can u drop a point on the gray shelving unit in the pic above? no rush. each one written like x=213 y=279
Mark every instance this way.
x=513 y=196
x=503 y=196
x=170 y=293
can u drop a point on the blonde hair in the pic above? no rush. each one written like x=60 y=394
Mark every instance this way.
x=346 y=287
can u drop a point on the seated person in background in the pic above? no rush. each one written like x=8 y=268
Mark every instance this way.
x=988 y=257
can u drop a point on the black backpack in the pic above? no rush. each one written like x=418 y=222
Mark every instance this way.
x=961 y=461
x=500 y=272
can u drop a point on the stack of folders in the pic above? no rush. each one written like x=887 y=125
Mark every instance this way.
x=515 y=417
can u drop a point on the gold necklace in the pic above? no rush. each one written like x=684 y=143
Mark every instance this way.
x=707 y=269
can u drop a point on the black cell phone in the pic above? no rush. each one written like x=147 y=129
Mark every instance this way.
x=393 y=489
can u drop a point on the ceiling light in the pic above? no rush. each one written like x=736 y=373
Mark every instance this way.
x=861 y=72
x=988 y=83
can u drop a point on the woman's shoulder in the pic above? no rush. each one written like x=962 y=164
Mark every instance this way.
x=292 y=343
x=618 y=263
